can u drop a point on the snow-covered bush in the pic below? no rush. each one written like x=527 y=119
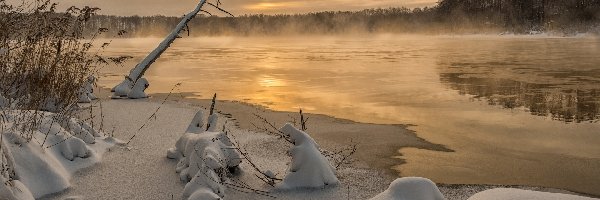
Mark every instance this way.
x=212 y=149
x=204 y=157
x=43 y=164
x=197 y=123
x=47 y=60
x=411 y=188
x=309 y=168
x=45 y=65
x=205 y=186
x=89 y=87
x=86 y=93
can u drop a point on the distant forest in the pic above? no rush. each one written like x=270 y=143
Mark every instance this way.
x=448 y=16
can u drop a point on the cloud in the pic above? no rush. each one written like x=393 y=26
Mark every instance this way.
x=238 y=7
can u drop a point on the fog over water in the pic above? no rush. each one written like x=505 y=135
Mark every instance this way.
x=238 y=7
x=516 y=109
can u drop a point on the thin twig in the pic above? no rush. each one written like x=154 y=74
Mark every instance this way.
x=212 y=109
x=267 y=179
x=217 y=7
x=153 y=115
x=272 y=126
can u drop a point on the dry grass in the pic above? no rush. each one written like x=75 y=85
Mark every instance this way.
x=45 y=61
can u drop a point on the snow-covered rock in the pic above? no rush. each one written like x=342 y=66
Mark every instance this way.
x=123 y=88
x=309 y=168
x=41 y=161
x=201 y=154
x=411 y=188
x=518 y=194
x=137 y=91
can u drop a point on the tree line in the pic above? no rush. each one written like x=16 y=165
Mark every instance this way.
x=525 y=15
x=448 y=16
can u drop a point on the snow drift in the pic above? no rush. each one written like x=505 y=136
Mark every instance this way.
x=411 y=188
x=41 y=161
x=518 y=194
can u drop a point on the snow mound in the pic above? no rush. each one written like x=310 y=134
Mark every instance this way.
x=86 y=93
x=41 y=161
x=309 y=168
x=203 y=157
x=518 y=194
x=205 y=186
x=411 y=188
x=138 y=89
x=90 y=87
x=212 y=122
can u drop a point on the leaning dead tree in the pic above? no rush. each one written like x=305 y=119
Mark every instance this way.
x=133 y=83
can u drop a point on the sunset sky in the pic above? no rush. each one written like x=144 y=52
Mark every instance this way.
x=238 y=7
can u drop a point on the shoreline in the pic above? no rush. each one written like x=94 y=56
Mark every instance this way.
x=328 y=129
x=391 y=153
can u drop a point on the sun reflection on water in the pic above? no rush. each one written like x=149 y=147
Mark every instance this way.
x=269 y=81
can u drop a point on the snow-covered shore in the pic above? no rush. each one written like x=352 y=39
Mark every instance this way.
x=142 y=170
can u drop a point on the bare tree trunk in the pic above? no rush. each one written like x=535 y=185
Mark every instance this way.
x=138 y=71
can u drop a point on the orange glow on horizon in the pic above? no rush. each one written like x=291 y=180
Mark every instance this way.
x=271 y=5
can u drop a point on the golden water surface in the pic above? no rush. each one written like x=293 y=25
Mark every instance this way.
x=516 y=109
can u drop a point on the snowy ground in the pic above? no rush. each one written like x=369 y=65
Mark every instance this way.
x=141 y=170
x=517 y=194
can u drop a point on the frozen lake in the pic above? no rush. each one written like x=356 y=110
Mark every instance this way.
x=516 y=109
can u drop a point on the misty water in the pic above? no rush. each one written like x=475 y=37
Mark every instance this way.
x=515 y=109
